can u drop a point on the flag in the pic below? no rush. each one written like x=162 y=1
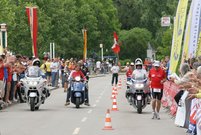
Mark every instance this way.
x=185 y=54
x=195 y=28
x=33 y=22
x=116 y=47
x=85 y=45
x=179 y=23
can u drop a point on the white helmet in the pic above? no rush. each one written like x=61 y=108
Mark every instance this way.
x=36 y=62
x=138 y=62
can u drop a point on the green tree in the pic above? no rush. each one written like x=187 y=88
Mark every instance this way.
x=134 y=43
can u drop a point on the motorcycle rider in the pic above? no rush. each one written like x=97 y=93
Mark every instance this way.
x=73 y=74
x=35 y=71
x=85 y=71
x=139 y=71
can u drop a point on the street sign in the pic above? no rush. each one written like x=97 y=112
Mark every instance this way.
x=165 y=21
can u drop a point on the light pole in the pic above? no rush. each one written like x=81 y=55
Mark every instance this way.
x=52 y=50
x=101 y=46
x=3 y=36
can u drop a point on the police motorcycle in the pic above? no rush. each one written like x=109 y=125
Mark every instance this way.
x=77 y=91
x=33 y=87
x=137 y=92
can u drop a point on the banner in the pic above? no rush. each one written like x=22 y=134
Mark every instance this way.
x=199 y=45
x=85 y=44
x=185 y=54
x=181 y=111
x=195 y=27
x=179 y=24
x=33 y=22
x=198 y=118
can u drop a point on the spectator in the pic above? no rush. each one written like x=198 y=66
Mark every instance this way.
x=115 y=71
x=54 y=68
x=48 y=71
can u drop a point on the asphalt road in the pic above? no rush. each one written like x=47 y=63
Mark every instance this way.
x=53 y=118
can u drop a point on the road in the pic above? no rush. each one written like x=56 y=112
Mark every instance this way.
x=53 y=118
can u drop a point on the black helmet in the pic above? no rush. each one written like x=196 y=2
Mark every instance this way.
x=36 y=62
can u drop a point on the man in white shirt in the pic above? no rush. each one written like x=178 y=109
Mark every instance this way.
x=54 y=68
x=98 y=66
x=115 y=70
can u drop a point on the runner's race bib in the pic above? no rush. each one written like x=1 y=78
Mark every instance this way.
x=157 y=90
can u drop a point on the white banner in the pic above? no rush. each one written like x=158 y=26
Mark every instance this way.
x=181 y=111
x=194 y=28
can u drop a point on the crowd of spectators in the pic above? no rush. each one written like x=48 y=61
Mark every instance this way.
x=56 y=71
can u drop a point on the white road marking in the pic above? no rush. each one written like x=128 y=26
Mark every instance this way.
x=94 y=105
x=76 y=131
x=99 y=97
x=89 y=111
x=84 y=119
x=97 y=101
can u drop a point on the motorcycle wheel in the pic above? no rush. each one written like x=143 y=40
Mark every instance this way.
x=32 y=104
x=37 y=107
x=139 y=107
x=77 y=102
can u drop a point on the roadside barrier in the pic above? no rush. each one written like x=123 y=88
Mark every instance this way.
x=169 y=92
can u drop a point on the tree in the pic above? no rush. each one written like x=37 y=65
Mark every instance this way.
x=134 y=43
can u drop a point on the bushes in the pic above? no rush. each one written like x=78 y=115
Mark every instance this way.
x=123 y=62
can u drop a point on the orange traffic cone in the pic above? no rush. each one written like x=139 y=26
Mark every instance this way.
x=108 y=125
x=125 y=80
x=119 y=86
x=113 y=93
x=120 y=81
x=114 y=105
x=115 y=89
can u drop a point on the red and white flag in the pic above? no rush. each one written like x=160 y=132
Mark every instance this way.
x=116 y=47
x=33 y=22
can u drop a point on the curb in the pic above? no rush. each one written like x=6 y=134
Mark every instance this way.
x=94 y=76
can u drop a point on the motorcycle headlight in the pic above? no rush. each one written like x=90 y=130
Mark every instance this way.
x=139 y=86
x=77 y=78
x=32 y=83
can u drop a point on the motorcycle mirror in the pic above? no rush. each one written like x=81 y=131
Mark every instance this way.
x=129 y=83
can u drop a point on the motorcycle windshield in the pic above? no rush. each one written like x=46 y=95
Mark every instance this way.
x=77 y=86
x=139 y=78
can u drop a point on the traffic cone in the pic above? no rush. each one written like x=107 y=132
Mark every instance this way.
x=120 y=81
x=119 y=86
x=115 y=89
x=114 y=105
x=108 y=124
x=113 y=93
x=124 y=80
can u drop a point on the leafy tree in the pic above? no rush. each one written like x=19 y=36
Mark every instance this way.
x=134 y=43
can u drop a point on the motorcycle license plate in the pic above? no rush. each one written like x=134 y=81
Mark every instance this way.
x=139 y=97
x=157 y=90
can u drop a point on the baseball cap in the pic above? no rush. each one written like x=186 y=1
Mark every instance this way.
x=156 y=63
x=132 y=64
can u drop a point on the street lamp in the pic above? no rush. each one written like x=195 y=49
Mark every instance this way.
x=4 y=35
x=101 y=46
